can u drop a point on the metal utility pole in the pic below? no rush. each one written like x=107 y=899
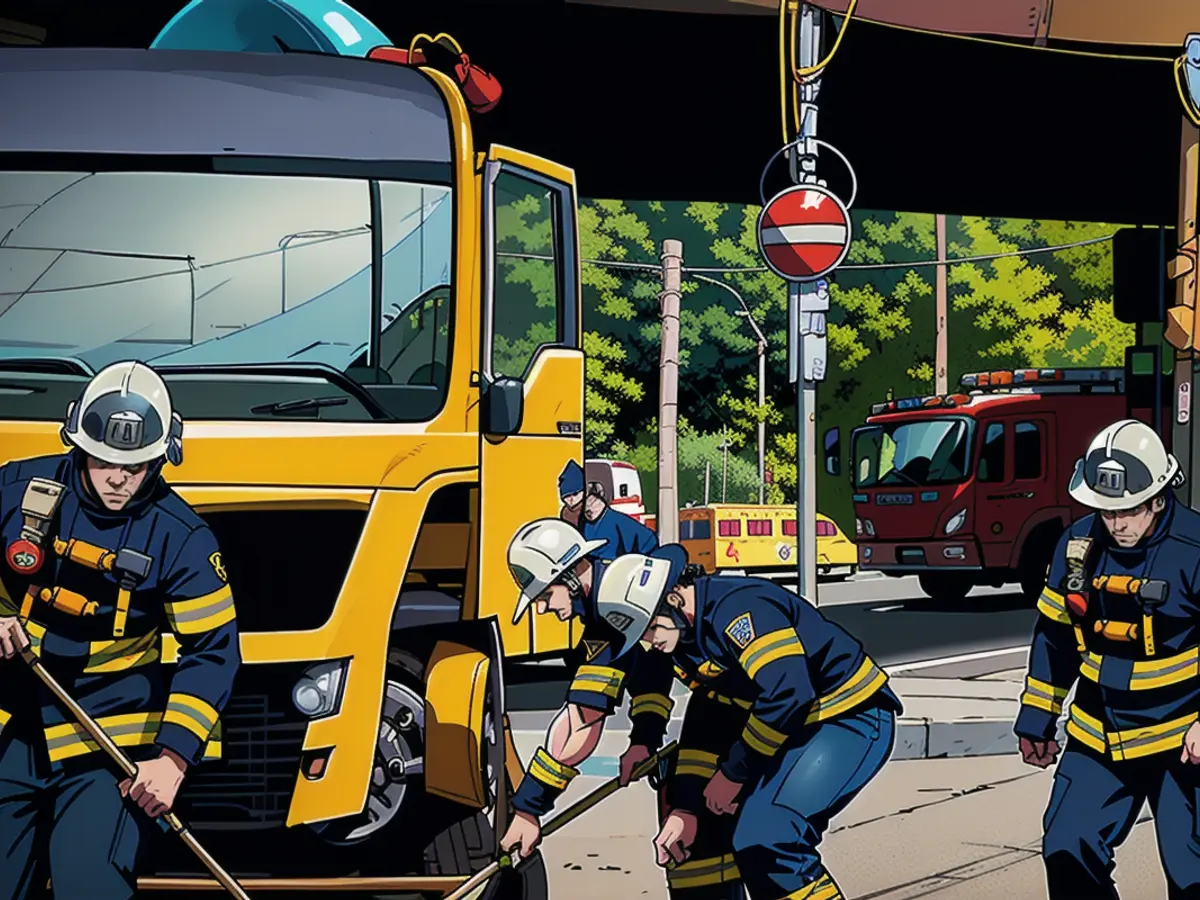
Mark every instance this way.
x=668 y=393
x=761 y=339
x=941 y=382
x=808 y=302
x=724 y=448
x=707 y=472
x=762 y=402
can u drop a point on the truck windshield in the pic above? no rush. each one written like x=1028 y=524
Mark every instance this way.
x=215 y=272
x=931 y=451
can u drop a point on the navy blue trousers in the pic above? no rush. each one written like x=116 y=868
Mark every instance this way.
x=71 y=827
x=781 y=821
x=1095 y=803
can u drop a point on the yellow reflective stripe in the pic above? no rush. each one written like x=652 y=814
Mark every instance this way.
x=703 y=872
x=193 y=713
x=128 y=730
x=36 y=633
x=1147 y=674
x=598 y=680
x=117 y=656
x=549 y=771
x=1053 y=606
x=1043 y=695
x=653 y=704
x=729 y=701
x=852 y=692
x=824 y=888
x=773 y=645
x=201 y=614
x=709 y=669
x=762 y=737
x=1150 y=739
x=5 y=718
x=696 y=762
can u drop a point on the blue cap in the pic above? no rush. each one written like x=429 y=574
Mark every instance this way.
x=571 y=479
x=676 y=556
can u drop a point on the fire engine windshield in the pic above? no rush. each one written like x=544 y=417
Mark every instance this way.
x=211 y=272
x=931 y=451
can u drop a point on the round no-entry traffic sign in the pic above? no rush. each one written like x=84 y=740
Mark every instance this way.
x=804 y=232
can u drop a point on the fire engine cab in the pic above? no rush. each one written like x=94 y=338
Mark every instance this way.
x=970 y=488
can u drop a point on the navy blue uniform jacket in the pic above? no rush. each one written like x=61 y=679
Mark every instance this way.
x=623 y=534
x=115 y=669
x=1134 y=698
x=773 y=653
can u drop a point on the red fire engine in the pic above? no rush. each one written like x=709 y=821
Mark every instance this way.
x=971 y=488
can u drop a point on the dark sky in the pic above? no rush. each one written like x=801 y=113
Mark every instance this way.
x=675 y=106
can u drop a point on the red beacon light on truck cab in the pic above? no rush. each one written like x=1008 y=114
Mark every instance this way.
x=1036 y=377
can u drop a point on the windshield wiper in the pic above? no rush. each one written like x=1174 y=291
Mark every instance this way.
x=46 y=365
x=285 y=372
x=304 y=404
x=903 y=475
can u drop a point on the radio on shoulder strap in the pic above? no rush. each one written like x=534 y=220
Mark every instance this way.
x=39 y=503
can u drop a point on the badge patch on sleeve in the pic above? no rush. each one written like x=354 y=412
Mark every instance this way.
x=741 y=631
x=219 y=567
x=594 y=648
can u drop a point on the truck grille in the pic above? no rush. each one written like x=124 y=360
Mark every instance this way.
x=251 y=786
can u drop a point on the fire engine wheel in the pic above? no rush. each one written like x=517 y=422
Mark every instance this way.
x=946 y=587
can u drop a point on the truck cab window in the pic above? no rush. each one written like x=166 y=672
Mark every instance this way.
x=527 y=293
x=1027 y=450
x=991 y=454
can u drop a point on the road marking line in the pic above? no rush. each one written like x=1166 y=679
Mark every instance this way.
x=951 y=660
x=891 y=608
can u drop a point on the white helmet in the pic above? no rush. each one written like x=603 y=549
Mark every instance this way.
x=1125 y=466
x=124 y=417
x=541 y=553
x=634 y=586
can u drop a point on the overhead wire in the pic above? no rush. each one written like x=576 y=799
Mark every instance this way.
x=920 y=263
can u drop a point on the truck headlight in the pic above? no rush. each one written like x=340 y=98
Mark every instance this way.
x=869 y=527
x=956 y=521
x=318 y=693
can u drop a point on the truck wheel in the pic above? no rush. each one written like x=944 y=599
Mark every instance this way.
x=946 y=587
x=469 y=845
x=1036 y=556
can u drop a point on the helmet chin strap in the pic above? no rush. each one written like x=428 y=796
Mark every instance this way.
x=686 y=630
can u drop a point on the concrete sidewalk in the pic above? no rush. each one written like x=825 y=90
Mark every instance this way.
x=943 y=717
x=956 y=829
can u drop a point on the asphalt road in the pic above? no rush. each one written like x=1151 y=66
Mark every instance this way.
x=896 y=622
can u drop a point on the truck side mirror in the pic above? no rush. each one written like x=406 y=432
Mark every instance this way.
x=833 y=451
x=504 y=406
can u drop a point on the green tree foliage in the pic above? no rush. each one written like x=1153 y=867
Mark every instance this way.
x=1046 y=309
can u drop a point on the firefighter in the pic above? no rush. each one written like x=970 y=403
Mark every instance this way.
x=101 y=557
x=559 y=572
x=820 y=719
x=1119 y=608
x=570 y=490
x=621 y=533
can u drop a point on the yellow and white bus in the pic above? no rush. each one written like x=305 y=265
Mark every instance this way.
x=760 y=540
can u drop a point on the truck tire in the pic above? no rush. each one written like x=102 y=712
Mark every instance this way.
x=946 y=587
x=1036 y=556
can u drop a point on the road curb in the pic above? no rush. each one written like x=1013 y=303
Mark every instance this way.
x=921 y=738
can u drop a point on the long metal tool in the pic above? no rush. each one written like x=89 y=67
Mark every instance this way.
x=568 y=815
x=89 y=725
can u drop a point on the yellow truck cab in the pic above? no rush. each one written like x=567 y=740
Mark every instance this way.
x=371 y=328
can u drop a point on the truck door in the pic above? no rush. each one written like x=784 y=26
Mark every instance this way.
x=1014 y=473
x=531 y=348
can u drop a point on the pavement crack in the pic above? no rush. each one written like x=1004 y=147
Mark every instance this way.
x=954 y=795
x=948 y=876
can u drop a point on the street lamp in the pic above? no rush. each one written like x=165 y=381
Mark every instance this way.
x=744 y=313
